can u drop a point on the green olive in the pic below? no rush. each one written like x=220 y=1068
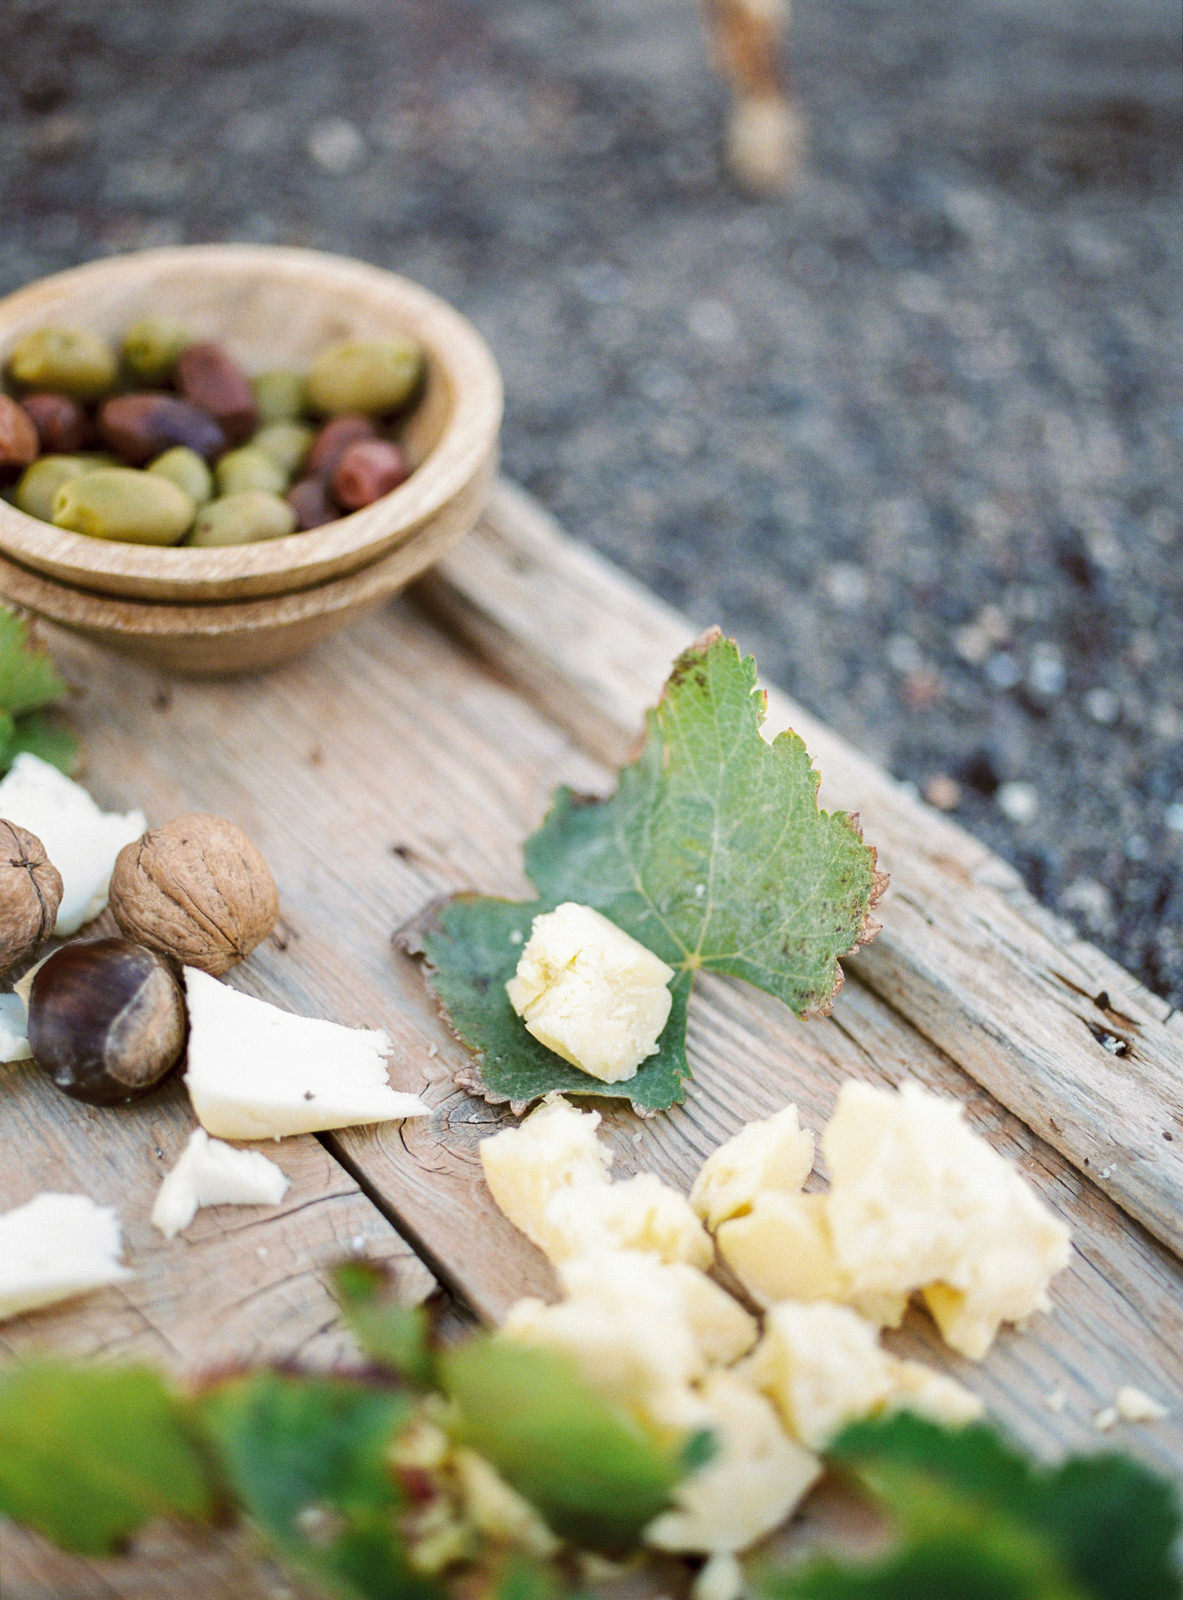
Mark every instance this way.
x=249 y=468
x=123 y=504
x=66 y=361
x=367 y=375
x=279 y=395
x=40 y=482
x=244 y=518
x=188 y=471
x=151 y=347
x=286 y=443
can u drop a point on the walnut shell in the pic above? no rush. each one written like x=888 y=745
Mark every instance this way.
x=197 y=890
x=30 y=893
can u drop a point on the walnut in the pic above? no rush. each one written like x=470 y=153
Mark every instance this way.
x=30 y=893
x=197 y=890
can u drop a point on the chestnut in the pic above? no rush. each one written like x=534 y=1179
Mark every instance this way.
x=107 y=1020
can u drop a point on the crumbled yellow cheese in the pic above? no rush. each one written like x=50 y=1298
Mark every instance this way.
x=591 y=992
x=782 y=1250
x=771 y=1156
x=918 y=1200
x=822 y=1366
x=749 y=1486
x=550 y=1177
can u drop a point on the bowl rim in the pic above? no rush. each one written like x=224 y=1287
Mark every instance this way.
x=298 y=560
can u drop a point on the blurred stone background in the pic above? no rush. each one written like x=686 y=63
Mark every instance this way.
x=913 y=433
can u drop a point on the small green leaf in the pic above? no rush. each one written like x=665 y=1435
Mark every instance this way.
x=977 y=1521
x=28 y=678
x=395 y=1336
x=592 y=1471
x=712 y=852
x=307 y=1458
x=88 y=1456
x=46 y=737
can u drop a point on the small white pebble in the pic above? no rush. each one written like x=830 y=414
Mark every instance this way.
x=721 y=1578
x=903 y=653
x=1135 y=1405
x=1055 y=1401
x=336 y=146
x=1105 y=1419
x=1173 y=816
x=1018 y=802
x=1102 y=705
x=1046 y=674
x=848 y=587
x=1003 y=670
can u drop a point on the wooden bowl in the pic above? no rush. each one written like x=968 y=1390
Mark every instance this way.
x=272 y=308
x=220 y=638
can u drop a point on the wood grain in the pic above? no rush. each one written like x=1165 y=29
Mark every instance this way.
x=413 y=756
x=1060 y=1034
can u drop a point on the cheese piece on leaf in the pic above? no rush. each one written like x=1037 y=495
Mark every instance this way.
x=773 y=1155
x=918 y=1201
x=210 y=1173
x=588 y=991
x=255 y=1072
x=822 y=1366
x=712 y=854
x=14 y=1029
x=81 y=840
x=782 y=1249
x=755 y=1478
x=55 y=1247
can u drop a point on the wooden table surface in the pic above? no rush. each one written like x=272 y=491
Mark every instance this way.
x=412 y=756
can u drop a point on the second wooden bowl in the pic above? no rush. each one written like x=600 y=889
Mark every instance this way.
x=271 y=307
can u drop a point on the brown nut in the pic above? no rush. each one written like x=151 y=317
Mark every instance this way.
x=332 y=442
x=62 y=424
x=208 y=377
x=30 y=893
x=311 y=502
x=107 y=1020
x=366 y=471
x=140 y=427
x=196 y=889
x=18 y=438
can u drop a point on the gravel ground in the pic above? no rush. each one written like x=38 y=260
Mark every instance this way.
x=913 y=434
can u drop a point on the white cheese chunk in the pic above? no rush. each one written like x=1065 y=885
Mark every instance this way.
x=553 y=1149
x=81 y=840
x=590 y=992
x=55 y=1247
x=773 y=1155
x=748 y=1487
x=918 y=1200
x=210 y=1173
x=550 y=1178
x=782 y=1249
x=822 y=1366
x=256 y=1072
x=1135 y=1405
x=14 y=1029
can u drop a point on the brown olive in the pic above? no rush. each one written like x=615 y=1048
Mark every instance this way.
x=107 y=1020
x=207 y=376
x=62 y=424
x=139 y=427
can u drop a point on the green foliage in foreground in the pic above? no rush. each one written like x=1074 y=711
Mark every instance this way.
x=29 y=685
x=89 y=1456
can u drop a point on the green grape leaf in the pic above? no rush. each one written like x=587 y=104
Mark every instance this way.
x=87 y=1456
x=977 y=1521
x=712 y=852
x=28 y=678
x=307 y=1458
x=44 y=736
x=392 y=1335
x=595 y=1474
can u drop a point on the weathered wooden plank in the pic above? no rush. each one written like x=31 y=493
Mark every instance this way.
x=405 y=769
x=1053 y=1028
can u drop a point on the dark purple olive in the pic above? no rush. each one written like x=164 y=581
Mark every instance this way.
x=107 y=1020
x=208 y=377
x=139 y=427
